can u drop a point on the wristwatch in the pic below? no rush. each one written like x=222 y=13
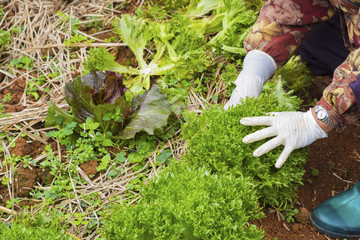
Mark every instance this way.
x=322 y=114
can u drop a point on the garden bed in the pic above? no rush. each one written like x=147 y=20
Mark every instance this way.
x=29 y=82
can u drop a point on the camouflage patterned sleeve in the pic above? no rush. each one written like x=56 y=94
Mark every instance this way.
x=283 y=25
x=338 y=98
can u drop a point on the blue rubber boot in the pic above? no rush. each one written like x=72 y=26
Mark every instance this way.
x=339 y=216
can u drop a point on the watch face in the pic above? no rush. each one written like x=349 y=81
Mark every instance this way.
x=321 y=114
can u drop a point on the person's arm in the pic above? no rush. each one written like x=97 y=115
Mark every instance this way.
x=283 y=25
x=339 y=98
x=280 y=29
x=338 y=107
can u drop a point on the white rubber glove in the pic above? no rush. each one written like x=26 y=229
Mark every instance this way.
x=292 y=129
x=258 y=67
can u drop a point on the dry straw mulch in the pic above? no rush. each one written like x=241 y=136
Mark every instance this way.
x=42 y=38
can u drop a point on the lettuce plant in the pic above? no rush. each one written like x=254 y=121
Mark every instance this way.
x=198 y=8
x=214 y=139
x=39 y=227
x=229 y=22
x=101 y=96
x=236 y=19
x=295 y=75
x=136 y=33
x=173 y=52
x=188 y=203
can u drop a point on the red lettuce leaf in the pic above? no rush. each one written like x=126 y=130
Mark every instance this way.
x=96 y=95
x=101 y=96
x=152 y=113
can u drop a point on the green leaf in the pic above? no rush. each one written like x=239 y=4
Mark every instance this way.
x=69 y=129
x=236 y=18
x=153 y=113
x=132 y=31
x=101 y=60
x=112 y=173
x=107 y=117
x=104 y=162
x=56 y=116
x=283 y=97
x=236 y=50
x=135 y=157
x=5 y=39
x=142 y=147
x=91 y=125
x=198 y=8
x=295 y=75
x=164 y=156
x=120 y=157
x=108 y=143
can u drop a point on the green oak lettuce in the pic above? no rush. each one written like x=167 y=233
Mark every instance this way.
x=229 y=21
x=34 y=227
x=184 y=202
x=214 y=139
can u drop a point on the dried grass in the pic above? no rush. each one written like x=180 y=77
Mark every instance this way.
x=41 y=39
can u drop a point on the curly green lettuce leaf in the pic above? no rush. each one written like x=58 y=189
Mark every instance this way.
x=295 y=75
x=135 y=32
x=197 y=8
x=101 y=60
x=234 y=13
x=214 y=139
x=186 y=202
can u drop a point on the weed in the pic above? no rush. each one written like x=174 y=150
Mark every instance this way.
x=24 y=62
x=314 y=172
x=77 y=39
x=5 y=38
x=7 y=98
x=64 y=19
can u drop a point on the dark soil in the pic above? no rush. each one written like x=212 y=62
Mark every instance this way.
x=89 y=167
x=336 y=159
x=16 y=91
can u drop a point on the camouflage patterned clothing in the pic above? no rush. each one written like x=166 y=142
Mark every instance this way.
x=282 y=27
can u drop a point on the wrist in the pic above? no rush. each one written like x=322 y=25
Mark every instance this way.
x=325 y=127
x=259 y=64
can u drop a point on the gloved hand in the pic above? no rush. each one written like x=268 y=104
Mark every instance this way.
x=258 y=67
x=292 y=129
